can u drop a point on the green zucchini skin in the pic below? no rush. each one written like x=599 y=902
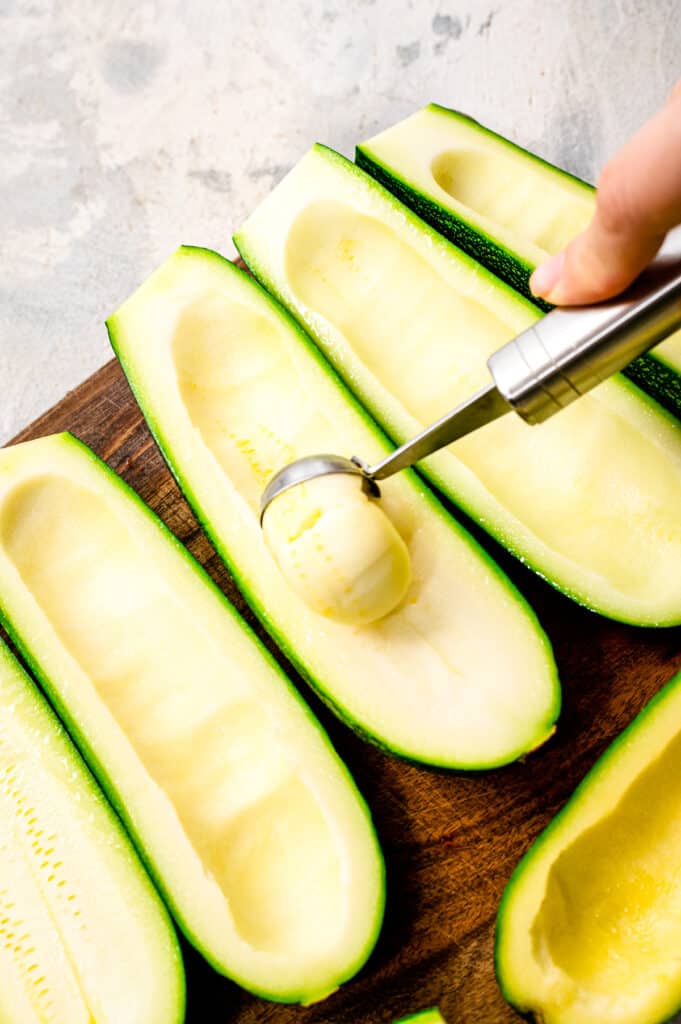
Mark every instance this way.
x=70 y=718
x=429 y=1016
x=648 y=372
x=83 y=784
x=605 y=765
x=382 y=742
x=657 y=379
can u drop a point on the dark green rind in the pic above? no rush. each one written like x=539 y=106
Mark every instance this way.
x=658 y=380
x=69 y=716
x=432 y=475
x=651 y=374
x=653 y=708
x=85 y=782
x=231 y=560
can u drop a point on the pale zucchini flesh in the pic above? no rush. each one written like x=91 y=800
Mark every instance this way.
x=505 y=206
x=590 y=499
x=246 y=818
x=84 y=939
x=589 y=927
x=460 y=674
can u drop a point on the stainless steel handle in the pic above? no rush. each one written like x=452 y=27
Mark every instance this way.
x=571 y=350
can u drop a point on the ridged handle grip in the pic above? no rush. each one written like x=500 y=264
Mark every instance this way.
x=569 y=351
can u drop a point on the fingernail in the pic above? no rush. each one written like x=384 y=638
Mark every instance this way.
x=546 y=276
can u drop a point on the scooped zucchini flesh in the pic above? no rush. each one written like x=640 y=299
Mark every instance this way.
x=590 y=499
x=505 y=206
x=245 y=816
x=84 y=938
x=460 y=673
x=338 y=549
x=589 y=927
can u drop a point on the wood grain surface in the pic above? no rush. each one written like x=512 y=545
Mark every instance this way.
x=450 y=841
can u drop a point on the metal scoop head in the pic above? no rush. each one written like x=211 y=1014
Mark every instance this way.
x=311 y=466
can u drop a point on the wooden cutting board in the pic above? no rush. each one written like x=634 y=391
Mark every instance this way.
x=450 y=841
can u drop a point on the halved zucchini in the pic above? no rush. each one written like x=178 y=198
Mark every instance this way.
x=505 y=206
x=589 y=499
x=460 y=674
x=589 y=927
x=245 y=816
x=84 y=939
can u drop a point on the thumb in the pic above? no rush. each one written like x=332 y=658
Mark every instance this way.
x=638 y=200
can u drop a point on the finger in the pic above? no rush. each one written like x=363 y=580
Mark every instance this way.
x=638 y=200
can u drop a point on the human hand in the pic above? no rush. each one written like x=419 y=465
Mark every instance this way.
x=638 y=200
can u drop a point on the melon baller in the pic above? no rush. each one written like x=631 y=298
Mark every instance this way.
x=555 y=361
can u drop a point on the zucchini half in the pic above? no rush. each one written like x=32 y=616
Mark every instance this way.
x=245 y=816
x=589 y=927
x=505 y=206
x=589 y=499
x=460 y=674
x=84 y=938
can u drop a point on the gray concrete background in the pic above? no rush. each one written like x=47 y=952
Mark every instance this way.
x=127 y=128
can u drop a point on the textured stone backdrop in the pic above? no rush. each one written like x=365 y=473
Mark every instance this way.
x=129 y=127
